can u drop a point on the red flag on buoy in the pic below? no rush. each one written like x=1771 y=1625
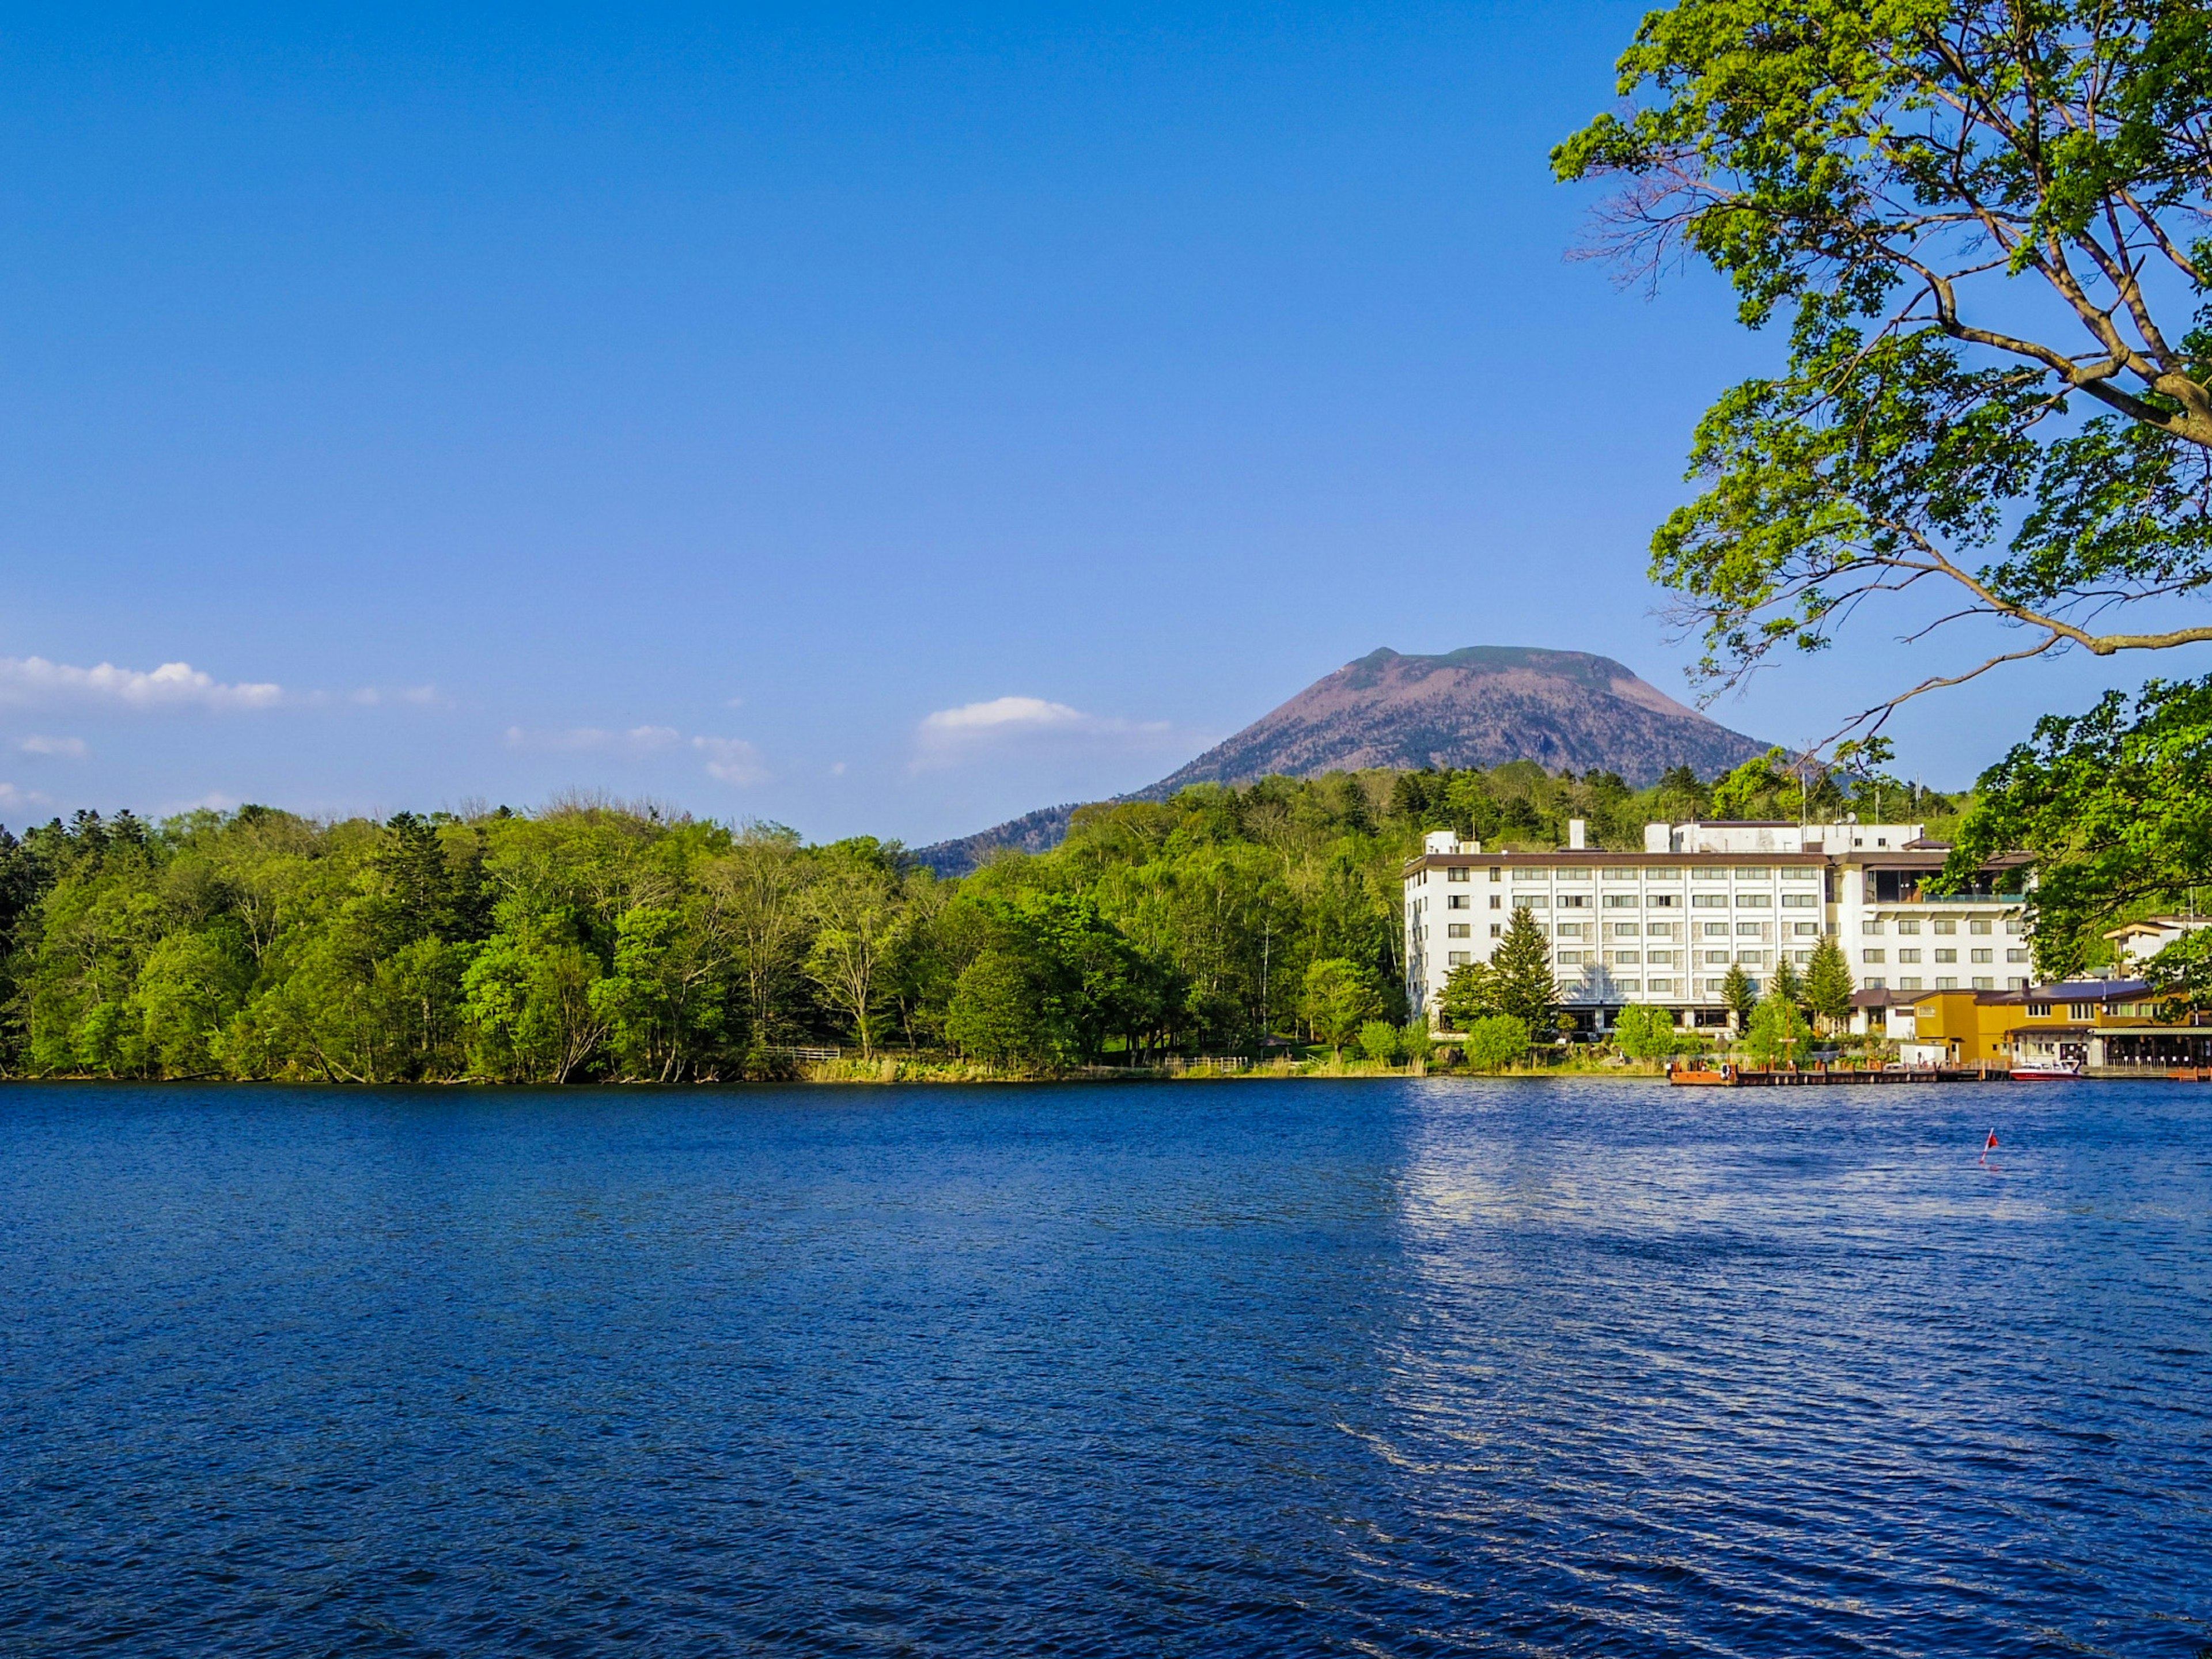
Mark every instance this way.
x=1989 y=1146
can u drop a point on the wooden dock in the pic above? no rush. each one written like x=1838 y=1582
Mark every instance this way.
x=1747 y=1076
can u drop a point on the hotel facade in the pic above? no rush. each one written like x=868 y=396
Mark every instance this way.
x=1663 y=926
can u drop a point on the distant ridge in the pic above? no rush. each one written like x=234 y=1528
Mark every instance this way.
x=1482 y=706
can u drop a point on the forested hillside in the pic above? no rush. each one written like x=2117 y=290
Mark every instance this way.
x=590 y=940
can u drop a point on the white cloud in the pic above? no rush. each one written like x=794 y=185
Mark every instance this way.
x=371 y=696
x=10 y=796
x=28 y=680
x=637 y=740
x=733 y=760
x=1003 y=726
x=72 y=747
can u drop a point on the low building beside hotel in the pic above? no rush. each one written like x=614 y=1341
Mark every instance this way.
x=2103 y=1024
x=1664 y=925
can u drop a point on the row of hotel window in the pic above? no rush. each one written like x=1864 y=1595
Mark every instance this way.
x=1653 y=929
x=2013 y=954
x=1582 y=872
x=1909 y=925
x=1712 y=987
x=1633 y=902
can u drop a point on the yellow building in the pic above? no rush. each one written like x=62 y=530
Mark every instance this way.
x=2049 y=1022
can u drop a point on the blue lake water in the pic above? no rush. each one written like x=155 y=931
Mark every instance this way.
x=1409 y=1368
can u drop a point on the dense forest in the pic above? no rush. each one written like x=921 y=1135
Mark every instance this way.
x=591 y=940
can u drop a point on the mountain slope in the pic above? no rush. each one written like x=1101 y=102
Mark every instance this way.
x=1483 y=706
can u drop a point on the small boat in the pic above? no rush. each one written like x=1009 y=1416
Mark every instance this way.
x=2047 y=1071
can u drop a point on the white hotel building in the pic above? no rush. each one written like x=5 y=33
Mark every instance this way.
x=1664 y=925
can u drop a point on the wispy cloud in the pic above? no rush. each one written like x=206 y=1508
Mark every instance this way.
x=728 y=760
x=11 y=797
x=28 y=681
x=731 y=760
x=373 y=696
x=72 y=747
x=1008 y=726
x=585 y=740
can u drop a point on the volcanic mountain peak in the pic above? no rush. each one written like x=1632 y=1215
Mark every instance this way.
x=1481 y=705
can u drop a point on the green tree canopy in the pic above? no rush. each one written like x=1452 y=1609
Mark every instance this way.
x=1496 y=1040
x=1827 y=991
x=1520 y=974
x=1778 y=1030
x=1339 y=998
x=1738 y=992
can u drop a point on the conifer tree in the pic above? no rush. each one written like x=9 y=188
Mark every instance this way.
x=1785 y=983
x=1520 y=974
x=1736 y=991
x=1470 y=994
x=1828 y=983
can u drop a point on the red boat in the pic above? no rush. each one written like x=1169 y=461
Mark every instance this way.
x=2047 y=1071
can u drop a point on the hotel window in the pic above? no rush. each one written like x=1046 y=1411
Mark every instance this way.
x=1459 y=930
x=1570 y=959
x=1496 y=903
x=1456 y=901
x=1945 y=925
x=1709 y=900
x=1531 y=901
x=1908 y=985
x=2016 y=984
x=1627 y=959
x=1628 y=986
x=1458 y=873
x=1799 y=901
x=1870 y=956
x=1494 y=876
x=1663 y=900
x=1456 y=958
x=1715 y=957
x=1620 y=900
x=1908 y=955
x=1624 y=930
x=1751 y=958
x=1751 y=929
x=1873 y=985
x=1752 y=873
x=1801 y=872
x=1802 y=958
x=1806 y=929
x=1909 y=925
x=2015 y=954
x=1708 y=875
x=1525 y=873
x=1574 y=901
x=1978 y=925
x=1569 y=930
x=1984 y=984
x=1759 y=901
x=1664 y=959
x=1497 y=932
x=1660 y=987
x=1870 y=928
x=1717 y=930
x=1943 y=984
x=1946 y=955
x=2012 y=924
x=1981 y=955
x=1659 y=929
x=1619 y=875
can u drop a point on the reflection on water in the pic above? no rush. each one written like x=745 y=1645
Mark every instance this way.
x=1363 y=1368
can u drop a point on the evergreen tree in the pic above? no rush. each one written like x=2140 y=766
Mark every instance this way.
x=1785 y=983
x=1736 y=991
x=1520 y=974
x=1828 y=984
x=1471 y=994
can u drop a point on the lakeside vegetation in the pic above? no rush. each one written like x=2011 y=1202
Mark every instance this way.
x=592 y=940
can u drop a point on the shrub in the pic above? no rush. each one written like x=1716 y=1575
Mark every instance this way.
x=1496 y=1042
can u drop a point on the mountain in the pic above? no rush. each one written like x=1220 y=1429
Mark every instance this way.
x=1483 y=706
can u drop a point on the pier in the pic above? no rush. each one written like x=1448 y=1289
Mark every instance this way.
x=1748 y=1077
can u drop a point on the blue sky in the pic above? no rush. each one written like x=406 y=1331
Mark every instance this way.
x=878 y=420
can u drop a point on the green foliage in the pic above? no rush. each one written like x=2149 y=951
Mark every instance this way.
x=1521 y=980
x=1827 y=990
x=592 y=942
x=1736 y=991
x=1416 y=1042
x=1778 y=1030
x=1339 y=999
x=1496 y=1041
x=1470 y=993
x=1378 y=1041
x=2114 y=805
x=1984 y=222
x=1786 y=982
x=1647 y=1033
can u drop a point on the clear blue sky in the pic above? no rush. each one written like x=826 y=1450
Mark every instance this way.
x=715 y=404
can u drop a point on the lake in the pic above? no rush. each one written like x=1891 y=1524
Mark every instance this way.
x=1412 y=1367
